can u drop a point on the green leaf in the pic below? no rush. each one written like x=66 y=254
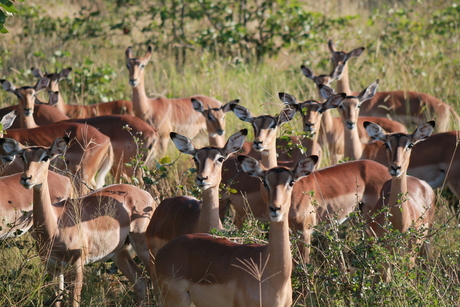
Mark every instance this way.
x=2 y=17
x=9 y=7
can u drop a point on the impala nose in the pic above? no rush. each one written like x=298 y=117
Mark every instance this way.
x=258 y=145
x=395 y=170
x=133 y=82
x=220 y=132
x=309 y=127
x=350 y=125
x=28 y=111
x=25 y=181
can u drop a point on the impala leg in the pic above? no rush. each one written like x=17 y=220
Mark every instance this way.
x=129 y=268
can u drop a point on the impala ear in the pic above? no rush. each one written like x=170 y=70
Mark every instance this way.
x=227 y=107
x=375 y=131
x=8 y=86
x=356 y=52
x=10 y=147
x=325 y=91
x=307 y=72
x=197 y=105
x=53 y=99
x=183 y=143
x=334 y=101
x=286 y=115
x=242 y=113
x=423 y=132
x=331 y=46
x=8 y=119
x=42 y=84
x=148 y=54
x=129 y=53
x=287 y=99
x=37 y=73
x=305 y=167
x=63 y=74
x=59 y=146
x=368 y=92
x=251 y=166
x=235 y=142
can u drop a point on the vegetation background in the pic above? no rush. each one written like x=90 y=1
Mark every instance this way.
x=250 y=50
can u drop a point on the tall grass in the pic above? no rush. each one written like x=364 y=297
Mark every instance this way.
x=409 y=45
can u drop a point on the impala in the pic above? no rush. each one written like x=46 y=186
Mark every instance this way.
x=184 y=214
x=165 y=114
x=404 y=106
x=248 y=190
x=93 y=228
x=117 y=107
x=437 y=167
x=332 y=132
x=15 y=205
x=131 y=139
x=215 y=120
x=90 y=158
x=202 y=270
x=410 y=202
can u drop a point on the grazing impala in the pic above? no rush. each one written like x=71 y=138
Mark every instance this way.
x=89 y=158
x=203 y=270
x=410 y=201
x=116 y=107
x=93 y=228
x=404 y=106
x=15 y=205
x=165 y=114
x=184 y=214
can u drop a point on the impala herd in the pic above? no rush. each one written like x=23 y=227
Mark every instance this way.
x=187 y=265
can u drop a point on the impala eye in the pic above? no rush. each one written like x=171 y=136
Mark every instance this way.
x=291 y=183
x=320 y=111
x=410 y=145
x=127 y=65
x=265 y=184
x=142 y=65
x=45 y=158
x=221 y=159
x=386 y=145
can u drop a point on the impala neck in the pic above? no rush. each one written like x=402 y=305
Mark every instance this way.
x=343 y=85
x=61 y=105
x=27 y=122
x=279 y=250
x=209 y=215
x=269 y=159
x=399 y=207
x=44 y=216
x=353 y=146
x=218 y=141
x=141 y=105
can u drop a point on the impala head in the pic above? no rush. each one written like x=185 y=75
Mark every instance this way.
x=215 y=117
x=340 y=58
x=322 y=79
x=36 y=159
x=6 y=122
x=312 y=110
x=350 y=107
x=399 y=145
x=53 y=85
x=136 y=66
x=265 y=126
x=209 y=160
x=26 y=94
x=278 y=182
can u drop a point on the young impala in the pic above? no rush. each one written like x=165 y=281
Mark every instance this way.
x=202 y=270
x=410 y=201
x=165 y=114
x=92 y=228
x=404 y=106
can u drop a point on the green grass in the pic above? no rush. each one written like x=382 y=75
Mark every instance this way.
x=406 y=48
